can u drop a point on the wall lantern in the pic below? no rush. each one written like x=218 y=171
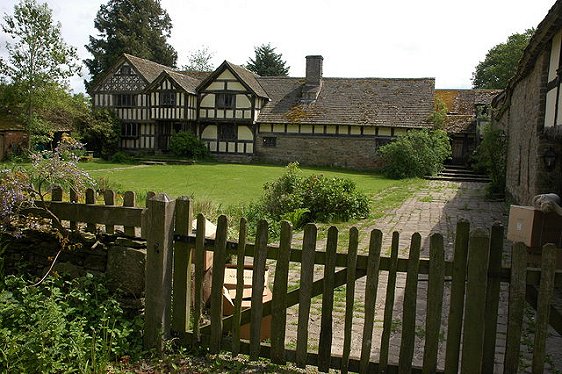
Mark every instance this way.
x=549 y=158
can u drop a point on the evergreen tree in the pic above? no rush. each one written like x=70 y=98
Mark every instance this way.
x=137 y=27
x=267 y=62
x=501 y=62
x=39 y=61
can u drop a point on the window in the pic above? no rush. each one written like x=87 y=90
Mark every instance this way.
x=167 y=98
x=125 y=100
x=270 y=141
x=227 y=132
x=130 y=130
x=226 y=101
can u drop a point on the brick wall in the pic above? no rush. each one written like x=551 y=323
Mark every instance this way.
x=351 y=152
x=523 y=122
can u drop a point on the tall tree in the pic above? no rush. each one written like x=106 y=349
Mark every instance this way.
x=501 y=62
x=38 y=58
x=200 y=60
x=267 y=62
x=137 y=27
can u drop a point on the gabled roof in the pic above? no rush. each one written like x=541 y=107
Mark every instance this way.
x=392 y=102
x=246 y=77
x=186 y=82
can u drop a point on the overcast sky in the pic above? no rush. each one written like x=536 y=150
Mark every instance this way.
x=444 y=39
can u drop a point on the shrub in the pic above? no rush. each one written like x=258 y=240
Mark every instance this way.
x=186 y=144
x=101 y=132
x=63 y=326
x=416 y=154
x=490 y=157
x=122 y=158
x=301 y=200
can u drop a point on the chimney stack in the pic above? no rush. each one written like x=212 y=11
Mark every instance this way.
x=314 y=70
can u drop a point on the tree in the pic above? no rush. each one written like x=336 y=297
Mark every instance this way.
x=137 y=27
x=38 y=58
x=501 y=62
x=267 y=62
x=200 y=60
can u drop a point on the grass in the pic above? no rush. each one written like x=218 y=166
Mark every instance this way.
x=225 y=184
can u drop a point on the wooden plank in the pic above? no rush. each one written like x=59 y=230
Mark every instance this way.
x=242 y=236
x=389 y=303
x=129 y=200
x=305 y=294
x=110 y=215
x=434 y=303
x=325 y=340
x=199 y=259
x=492 y=299
x=219 y=260
x=258 y=280
x=181 y=303
x=516 y=307
x=349 y=296
x=456 y=306
x=371 y=288
x=145 y=223
x=409 y=307
x=109 y=200
x=279 y=302
x=477 y=281
x=158 y=275
x=73 y=200
x=56 y=193
x=545 y=295
x=90 y=200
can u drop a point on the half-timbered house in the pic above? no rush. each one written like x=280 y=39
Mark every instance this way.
x=242 y=116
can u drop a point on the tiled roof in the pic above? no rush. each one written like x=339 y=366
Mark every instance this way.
x=149 y=70
x=185 y=81
x=461 y=107
x=389 y=102
x=249 y=78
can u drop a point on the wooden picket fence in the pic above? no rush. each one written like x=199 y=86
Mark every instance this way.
x=475 y=274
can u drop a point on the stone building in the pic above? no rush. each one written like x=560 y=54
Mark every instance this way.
x=243 y=117
x=530 y=113
x=467 y=111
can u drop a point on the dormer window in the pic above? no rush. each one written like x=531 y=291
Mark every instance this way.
x=167 y=98
x=226 y=101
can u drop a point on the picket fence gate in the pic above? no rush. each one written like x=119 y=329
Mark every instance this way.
x=475 y=273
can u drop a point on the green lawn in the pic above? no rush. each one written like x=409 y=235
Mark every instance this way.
x=226 y=184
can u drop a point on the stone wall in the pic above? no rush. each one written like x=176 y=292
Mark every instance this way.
x=523 y=122
x=121 y=259
x=350 y=152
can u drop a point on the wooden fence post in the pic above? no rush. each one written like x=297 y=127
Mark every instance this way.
x=129 y=199
x=90 y=200
x=109 y=199
x=477 y=281
x=73 y=199
x=258 y=284
x=181 y=308
x=349 y=296
x=217 y=284
x=158 y=276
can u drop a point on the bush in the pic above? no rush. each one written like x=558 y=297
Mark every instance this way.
x=416 y=154
x=63 y=326
x=301 y=200
x=122 y=158
x=101 y=132
x=490 y=157
x=186 y=144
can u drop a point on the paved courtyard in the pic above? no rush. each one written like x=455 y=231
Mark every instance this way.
x=435 y=209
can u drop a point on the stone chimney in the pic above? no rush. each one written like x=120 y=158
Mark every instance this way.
x=314 y=70
x=313 y=79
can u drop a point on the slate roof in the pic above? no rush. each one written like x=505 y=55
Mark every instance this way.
x=390 y=102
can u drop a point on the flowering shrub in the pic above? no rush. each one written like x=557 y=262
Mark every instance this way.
x=22 y=186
